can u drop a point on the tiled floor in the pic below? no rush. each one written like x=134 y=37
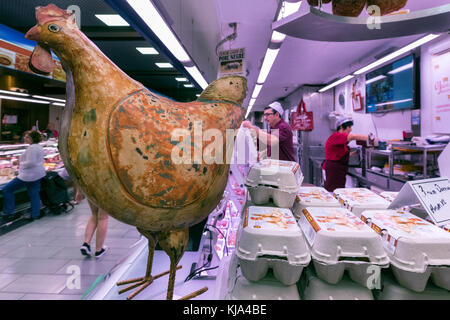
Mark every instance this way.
x=37 y=260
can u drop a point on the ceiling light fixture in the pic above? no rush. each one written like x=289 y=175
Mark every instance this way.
x=181 y=79
x=334 y=84
x=150 y=15
x=15 y=93
x=269 y=59
x=24 y=99
x=147 y=50
x=48 y=98
x=257 y=90
x=112 y=20
x=189 y=85
x=58 y=104
x=397 y=53
x=195 y=73
x=164 y=65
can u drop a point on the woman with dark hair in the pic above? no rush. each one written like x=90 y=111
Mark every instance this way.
x=31 y=171
x=337 y=153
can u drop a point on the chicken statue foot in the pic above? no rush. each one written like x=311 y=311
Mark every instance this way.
x=174 y=243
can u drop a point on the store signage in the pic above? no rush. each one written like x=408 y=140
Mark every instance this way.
x=15 y=53
x=433 y=195
x=232 y=62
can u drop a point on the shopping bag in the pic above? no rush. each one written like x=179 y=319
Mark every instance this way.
x=301 y=119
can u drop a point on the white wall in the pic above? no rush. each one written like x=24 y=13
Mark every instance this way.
x=426 y=85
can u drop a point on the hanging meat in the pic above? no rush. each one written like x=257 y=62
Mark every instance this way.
x=348 y=8
x=117 y=140
x=387 y=6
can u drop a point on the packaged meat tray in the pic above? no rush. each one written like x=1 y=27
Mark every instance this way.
x=274 y=179
x=359 y=199
x=232 y=285
x=417 y=249
x=313 y=288
x=313 y=197
x=391 y=290
x=271 y=238
x=339 y=241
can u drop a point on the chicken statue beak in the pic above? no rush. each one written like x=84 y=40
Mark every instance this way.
x=33 y=34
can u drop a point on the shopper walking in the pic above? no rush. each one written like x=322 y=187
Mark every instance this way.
x=337 y=153
x=31 y=171
x=279 y=135
x=98 y=221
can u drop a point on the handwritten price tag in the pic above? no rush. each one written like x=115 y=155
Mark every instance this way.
x=434 y=195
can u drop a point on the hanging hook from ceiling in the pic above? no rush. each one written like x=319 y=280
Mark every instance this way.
x=228 y=38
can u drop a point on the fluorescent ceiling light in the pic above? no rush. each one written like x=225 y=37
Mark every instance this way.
x=392 y=102
x=195 y=73
x=156 y=23
x=112 y=20
x=58 y=104
x=188 y=85
x=164 y=65
x=375 y=79
x=256 y=90
x=181 y=79
x=402 y=68
x=269 y=59
x=24 y=99
x=48 y=98
x=336 y=83
x=197 y=95
x=147 y=50
x=397 y=53
x=15 y=93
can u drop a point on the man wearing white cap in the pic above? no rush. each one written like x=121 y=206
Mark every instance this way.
x=280 y=134
x=337 y=153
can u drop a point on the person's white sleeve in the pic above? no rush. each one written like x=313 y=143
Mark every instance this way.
x=31 y=157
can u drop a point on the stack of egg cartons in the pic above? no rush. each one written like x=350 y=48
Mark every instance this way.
x=274 y=179
x=358 y=200
x=339 y=241
x=313 y=197
x=417 y=249
x=269 y=237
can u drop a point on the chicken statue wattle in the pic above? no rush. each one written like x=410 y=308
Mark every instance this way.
x=117 y=139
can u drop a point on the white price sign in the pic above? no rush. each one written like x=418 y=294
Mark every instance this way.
x=433 y=194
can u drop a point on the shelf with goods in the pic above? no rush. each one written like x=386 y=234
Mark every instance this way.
x=9 y=153
x=402 y=163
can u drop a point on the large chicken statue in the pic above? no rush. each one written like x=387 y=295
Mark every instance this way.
x=118 y=140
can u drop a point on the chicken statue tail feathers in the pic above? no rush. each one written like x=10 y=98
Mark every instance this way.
x=228 y=88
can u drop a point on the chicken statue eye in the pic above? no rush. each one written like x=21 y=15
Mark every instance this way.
x=54 y=28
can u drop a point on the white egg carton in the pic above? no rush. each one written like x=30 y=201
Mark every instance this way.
x=313 y=288
x=391 y=290
x=416 y=248
x=389 y=195
x=274 y=179
x=232 y=285
x=271 y=238
x=358 y=200
x=339 y=241
x=313 y=197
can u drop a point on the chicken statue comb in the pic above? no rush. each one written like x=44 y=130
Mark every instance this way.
x=52 y=12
